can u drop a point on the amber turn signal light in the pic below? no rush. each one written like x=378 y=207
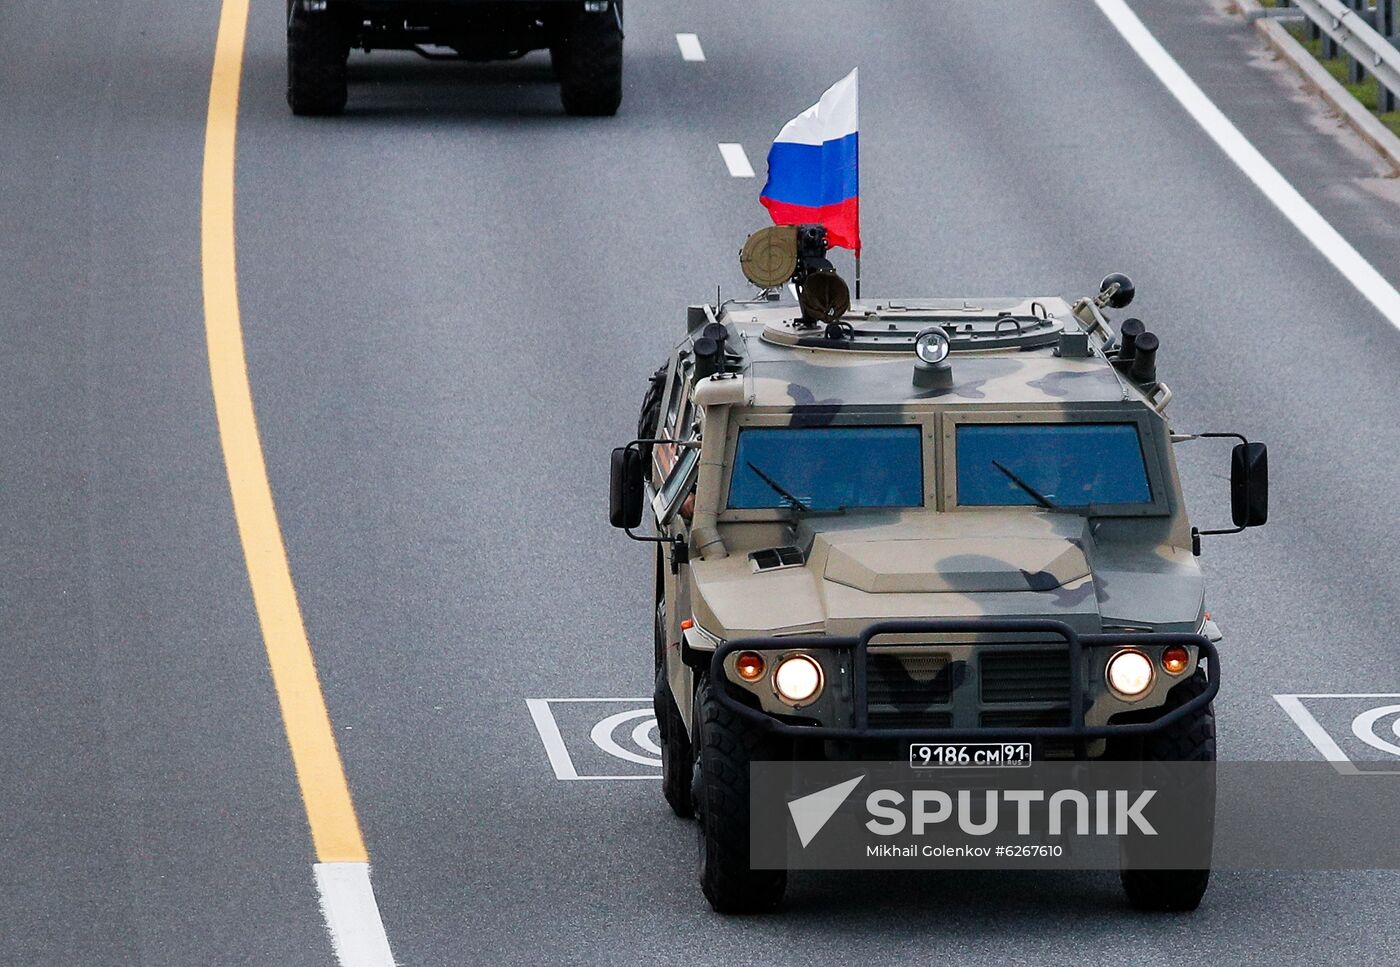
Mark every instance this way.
x=749 y=665
x=1175 y=660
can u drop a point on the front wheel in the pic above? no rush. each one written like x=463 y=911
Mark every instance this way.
x=317 y=50
x=726 y=745
x=588 y=61
x=1191 y=739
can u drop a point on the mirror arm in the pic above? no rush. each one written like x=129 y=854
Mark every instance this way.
x=1197 y=533
x=1220 y=436
x=1223 y=530
x=680 y=551
x=647 y=540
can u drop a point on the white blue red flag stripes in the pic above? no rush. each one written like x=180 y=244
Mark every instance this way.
x=814 y=167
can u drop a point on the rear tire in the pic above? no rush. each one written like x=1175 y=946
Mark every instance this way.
x=727 y=745
x=588 y=62
x=677 y=759
x=1192 y=739
x=317 y=50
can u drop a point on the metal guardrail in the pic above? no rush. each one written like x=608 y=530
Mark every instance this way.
x=1366 y=30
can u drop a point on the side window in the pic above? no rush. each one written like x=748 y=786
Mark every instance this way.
x=677 y=486
x=686 y=427
x=674 y=424
x=678 y=464
x=675 y=394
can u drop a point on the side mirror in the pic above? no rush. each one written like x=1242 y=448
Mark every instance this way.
x=1249 y=484
x=626 y=488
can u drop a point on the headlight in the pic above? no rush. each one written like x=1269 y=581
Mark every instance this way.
x=797 y=679
x=931 y=345
x=1130 y=673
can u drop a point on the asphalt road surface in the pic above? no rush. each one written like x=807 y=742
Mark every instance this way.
x=451 y=298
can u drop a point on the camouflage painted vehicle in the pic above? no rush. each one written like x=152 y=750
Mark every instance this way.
x=583 y=37
x=916 y=520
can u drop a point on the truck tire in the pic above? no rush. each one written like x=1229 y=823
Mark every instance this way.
x=1191 y=739
x=588 y=61
x=677 y=763
x=317 y=49
x=726 y=746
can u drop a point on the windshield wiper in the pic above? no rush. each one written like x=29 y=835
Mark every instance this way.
x=1036 y=495
x=778 y=488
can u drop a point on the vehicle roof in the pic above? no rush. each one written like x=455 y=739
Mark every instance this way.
x=785 y=376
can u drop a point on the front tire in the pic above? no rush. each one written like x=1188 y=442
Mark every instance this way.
x=317 y=51
x=727 y=745
x=1191 y=739
x=588 y=61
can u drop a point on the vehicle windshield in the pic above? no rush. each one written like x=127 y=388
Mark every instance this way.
x=1050 y=465
x=828 y=468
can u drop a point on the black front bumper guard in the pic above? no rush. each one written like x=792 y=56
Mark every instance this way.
x=1076 y=644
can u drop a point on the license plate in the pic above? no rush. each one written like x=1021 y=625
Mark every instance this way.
x=969 y=755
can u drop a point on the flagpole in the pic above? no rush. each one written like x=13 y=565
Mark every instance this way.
x=857 y=273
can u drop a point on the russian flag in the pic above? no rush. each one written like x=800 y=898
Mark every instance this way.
x=814 y=169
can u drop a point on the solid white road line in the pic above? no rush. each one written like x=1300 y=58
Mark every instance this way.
x=1316 y=734
x=690 y=47
x=1265 y=176
x=554 y=747
x=736 y=160
x=352 y=916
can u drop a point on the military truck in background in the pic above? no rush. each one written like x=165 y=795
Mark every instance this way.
x=583 y=37
x=915 y=521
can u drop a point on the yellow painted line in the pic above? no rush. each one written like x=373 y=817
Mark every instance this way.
x=334 y=829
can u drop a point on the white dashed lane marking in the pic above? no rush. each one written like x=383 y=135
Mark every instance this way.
x=690 y=47
x=736 y=160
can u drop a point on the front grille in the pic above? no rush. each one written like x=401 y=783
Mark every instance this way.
x=1025 y=676
x=891 y=718
x=1017 y=718
x=903 y=690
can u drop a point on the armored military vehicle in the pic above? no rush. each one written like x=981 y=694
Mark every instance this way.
x=583 y=37
x=900 y=521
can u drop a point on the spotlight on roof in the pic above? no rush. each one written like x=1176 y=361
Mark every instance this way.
x=932 y=369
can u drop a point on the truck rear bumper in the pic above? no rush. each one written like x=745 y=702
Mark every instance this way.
x=410 y=7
